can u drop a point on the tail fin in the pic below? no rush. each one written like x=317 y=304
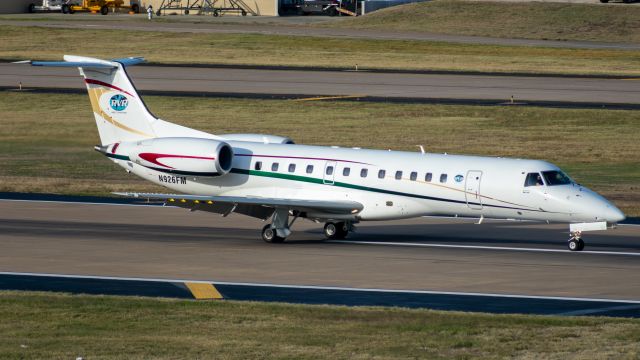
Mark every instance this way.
x=120 y=113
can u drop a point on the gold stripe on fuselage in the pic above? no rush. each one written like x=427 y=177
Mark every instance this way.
x=94 y=96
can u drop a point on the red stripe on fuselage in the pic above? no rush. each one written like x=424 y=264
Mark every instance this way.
x=153 y=158
x=101 y=83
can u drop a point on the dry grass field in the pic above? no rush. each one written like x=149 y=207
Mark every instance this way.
x=47 y=140
x=526 y=20
x=60 y=326
x=19 y=43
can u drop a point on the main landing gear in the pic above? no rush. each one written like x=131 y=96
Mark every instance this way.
x=575 y=241
x=336 y=231
x=279 y=229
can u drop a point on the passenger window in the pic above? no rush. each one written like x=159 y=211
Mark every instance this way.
x=274 y=167
x=292 y=167
x=398 y=175
x=413 y=176
x=258 y=165
x=443 y=178
x=533 y=179
x=346 y=171
x=364 y=172
x=329 y=170
x=428 y=177
x=309 y=169
x=381 y=174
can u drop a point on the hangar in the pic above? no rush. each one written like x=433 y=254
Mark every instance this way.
x=244 y=7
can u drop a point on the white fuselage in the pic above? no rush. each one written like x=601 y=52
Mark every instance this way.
x=458 y=185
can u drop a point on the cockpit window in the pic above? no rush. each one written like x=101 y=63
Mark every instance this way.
x=556 y=178
x=533 y=179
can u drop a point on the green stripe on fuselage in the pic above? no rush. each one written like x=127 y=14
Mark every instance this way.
x=338 y=184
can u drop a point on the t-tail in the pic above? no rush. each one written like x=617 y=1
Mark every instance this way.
x=120 y=113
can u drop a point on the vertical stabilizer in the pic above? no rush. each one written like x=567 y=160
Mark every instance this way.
x=120 y=113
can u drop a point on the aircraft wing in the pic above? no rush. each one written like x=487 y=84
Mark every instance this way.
x=259 y=207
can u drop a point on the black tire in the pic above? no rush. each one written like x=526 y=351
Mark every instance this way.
x=32 y=8
x=269 y=235
x=104 y=10
x=65 y=9
x=580 y=245
x=333 y=11
x=335 y=231
x=574 y=245
x=244 y=13
x=158 y=13
x=215 y=13
x=186 y=11
x=135 y=8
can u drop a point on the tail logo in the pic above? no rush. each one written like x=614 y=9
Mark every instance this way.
x=119 y=102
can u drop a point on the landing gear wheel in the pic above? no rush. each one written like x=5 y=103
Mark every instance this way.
x=65 y=9
x=576 y=244
x=158 y=13
x=215 y=13
x=269 y=235
x=335 y=231
x=186 y=11
x=244 y=13
x=104 y=10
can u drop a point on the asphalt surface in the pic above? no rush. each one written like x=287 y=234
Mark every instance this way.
x=175 y=288
x=288 y=26
x=432 y=254
x=225 y=81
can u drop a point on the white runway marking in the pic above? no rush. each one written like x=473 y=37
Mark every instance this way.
x=478 y=247
x=312 y=287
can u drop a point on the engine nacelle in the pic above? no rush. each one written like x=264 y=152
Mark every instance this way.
x=265 y=139
x=185 y=156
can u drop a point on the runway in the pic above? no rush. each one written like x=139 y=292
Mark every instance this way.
x=425 y=254
x=200 y=81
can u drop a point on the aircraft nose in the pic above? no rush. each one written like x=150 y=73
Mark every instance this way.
x=597 y=208
x=613 y=214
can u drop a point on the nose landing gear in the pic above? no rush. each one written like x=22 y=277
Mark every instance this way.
x=575 y=241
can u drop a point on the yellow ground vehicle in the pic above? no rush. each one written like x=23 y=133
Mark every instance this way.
x=101 y=6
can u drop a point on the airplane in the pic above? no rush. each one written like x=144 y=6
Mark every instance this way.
x=271 y=177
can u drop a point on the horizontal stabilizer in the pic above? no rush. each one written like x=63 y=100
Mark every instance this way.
x=73 y=64
x=86 y=62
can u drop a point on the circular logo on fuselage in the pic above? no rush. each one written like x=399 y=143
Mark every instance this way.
x=118 y=102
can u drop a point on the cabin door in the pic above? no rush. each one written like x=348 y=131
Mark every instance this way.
x=472 y=189
x=329 y=172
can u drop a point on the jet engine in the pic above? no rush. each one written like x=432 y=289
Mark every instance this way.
x=185 y=156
